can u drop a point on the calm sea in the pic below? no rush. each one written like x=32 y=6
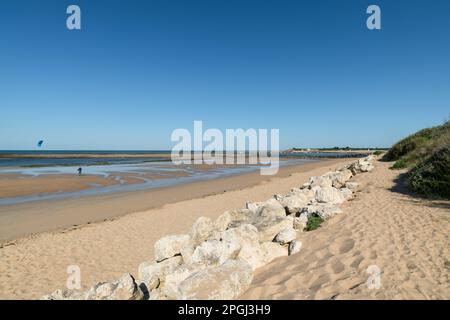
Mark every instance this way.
x=38 y=158
x=49 y=158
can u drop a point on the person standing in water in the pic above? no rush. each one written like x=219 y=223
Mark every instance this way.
x=79 y=171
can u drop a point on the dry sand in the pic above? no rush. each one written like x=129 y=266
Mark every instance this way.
x=36 y=265
x=406 y=237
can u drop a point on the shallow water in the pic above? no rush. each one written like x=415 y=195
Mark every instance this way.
x=168 y=172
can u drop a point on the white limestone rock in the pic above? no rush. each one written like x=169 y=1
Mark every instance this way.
x=325 y=211
x=294 y=247
x=329 y=195
x=170 y=246
x=213 y=252
x=269 y=227
x=300 y=222
x=224 y=282
x=353 y=186
x=169 y=287
x=321 y=181
x=270 y=208
x=293 y=202
x=201 y=230
x=346 y=193
x=151 y=274
x=286 y=235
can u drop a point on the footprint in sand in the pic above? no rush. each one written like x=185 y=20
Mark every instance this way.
x=341 y=246
x=337 y=266
x=346 y=246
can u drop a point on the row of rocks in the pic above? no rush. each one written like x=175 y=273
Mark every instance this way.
x=216 y=259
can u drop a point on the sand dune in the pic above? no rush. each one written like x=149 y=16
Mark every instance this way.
x=407 y=238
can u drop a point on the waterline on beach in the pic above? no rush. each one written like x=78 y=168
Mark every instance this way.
x=151 y=175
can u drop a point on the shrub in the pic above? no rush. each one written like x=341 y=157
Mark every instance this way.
x=400 y=164
x=432 y=176
x=314 y=222
x=377 y=153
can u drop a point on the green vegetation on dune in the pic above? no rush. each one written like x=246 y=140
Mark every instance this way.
x=427 y=154
x=377 y=153
x=432 y=176
x=400 y=164
x=419 y=145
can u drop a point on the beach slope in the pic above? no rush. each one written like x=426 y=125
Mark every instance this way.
x=384 y=229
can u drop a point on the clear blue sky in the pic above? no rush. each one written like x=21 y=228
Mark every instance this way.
x=139 y=69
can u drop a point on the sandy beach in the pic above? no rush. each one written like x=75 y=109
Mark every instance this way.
x=106 y=249
x=406 y=237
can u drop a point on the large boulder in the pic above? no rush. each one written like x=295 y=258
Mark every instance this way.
x=329 y=195
x=366 y=167
x=308 y=194
x=247 y=236
x=224 y=282
x=125 y=288
x=270 y=208
x=152 y=273
x=300 y=222
x=201 y=230
x=294 y=247
x=321 y=181
x=346 y=193
x=354 y=168
x=339 y=178
x=286 y=235
x=170 y=246
x=353 y=186
x=228 y=217
x=156 y=294
x=362 y=165
x=269 y=227
x=252 y=206
x=293 y=202
x=213 y=252
x=325 y=211
x=169 y=288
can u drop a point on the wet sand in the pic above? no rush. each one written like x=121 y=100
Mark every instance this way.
x=36 y=265
x=22 y=185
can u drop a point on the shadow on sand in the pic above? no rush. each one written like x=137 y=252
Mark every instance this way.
x=401 y=186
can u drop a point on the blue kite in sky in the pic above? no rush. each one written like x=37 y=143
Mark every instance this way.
x=40 y=142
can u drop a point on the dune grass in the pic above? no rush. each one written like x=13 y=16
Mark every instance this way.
x=414 y=148
x=427 y=154
x=432 y=176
